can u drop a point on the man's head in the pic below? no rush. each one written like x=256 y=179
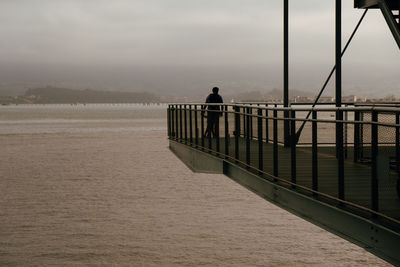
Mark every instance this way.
x=215 y=90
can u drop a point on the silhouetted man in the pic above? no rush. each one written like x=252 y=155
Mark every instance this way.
x=213 y=112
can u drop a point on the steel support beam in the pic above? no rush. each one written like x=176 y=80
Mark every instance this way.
x=286 y=70
x=390 y=20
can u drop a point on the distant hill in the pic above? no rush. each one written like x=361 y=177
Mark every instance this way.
x=63 y=95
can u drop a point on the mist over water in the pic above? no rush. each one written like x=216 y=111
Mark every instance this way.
x=97 y=185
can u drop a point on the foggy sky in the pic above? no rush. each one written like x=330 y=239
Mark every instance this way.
x=156 y=44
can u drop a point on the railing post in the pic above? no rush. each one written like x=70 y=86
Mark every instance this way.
x=202 y=126
x=217 y=132
x=248 y=117
x=176 y=123
x=190 y=125
x=346 y=118
x=266 y=125
x=356 y=136
x=339 y=153
x=244 y=122
x=397 y=141
x=180 y=124
x=250 y=111
x=293 y=146
x=227 y=138
x=374 y=153
x=185 y=123
x=275 y=147
x=361 y=141
x=314 y=152
x=237 y=131
x=169 y=121
x=209 y=131
x=196 y=126
x=260 y=139
x=172 y=121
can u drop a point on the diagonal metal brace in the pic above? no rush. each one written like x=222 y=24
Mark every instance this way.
x=390 y=20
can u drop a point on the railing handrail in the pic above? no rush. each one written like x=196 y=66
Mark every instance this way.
x=304 y=109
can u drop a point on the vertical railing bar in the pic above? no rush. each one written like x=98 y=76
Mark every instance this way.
x=275 y=147
x=339 y=154
x=293 y=146
x=202 y=126
x=168 y=122
x=260 y=140
x=185 y=122
x=209 y=129
x=251 y=123
x=196 y=126
x=176 y=123
x=217 y=131
x=356 y=136
x=374 y=154
x=314 y=152
x=237 y=131
x=248 y=118
x=346 y=119
x=266 y=125
x=190 y=125
x=227 y=138
x=244 y=122
x=180 y=124
x=397 y=142
x=361 y=146
x=172 y=121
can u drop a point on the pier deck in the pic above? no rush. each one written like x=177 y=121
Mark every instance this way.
x=357 y=175
x=341 y=173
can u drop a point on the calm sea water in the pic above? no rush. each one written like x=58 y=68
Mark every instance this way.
x=97 y=185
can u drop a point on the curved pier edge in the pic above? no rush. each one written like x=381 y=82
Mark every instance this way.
x=373 y=237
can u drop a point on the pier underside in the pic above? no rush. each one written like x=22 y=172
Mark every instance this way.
x=344 y=220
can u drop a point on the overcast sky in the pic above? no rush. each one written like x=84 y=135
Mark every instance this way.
x=187 y=33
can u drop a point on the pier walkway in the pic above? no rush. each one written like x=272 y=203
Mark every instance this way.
x=347 y=185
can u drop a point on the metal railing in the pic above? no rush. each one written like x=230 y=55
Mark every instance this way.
x=353 y=162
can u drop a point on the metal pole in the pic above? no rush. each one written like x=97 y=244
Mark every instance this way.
x=177 y=125
x=286 y=69
x=374 y=171
x=293 y=146
x=202 y=127
x=251 y=123
x=356 y=136
x=248 y=137
x=275 y=146
x=196 y=126
x=169 y=121
x=338 y=97
x=217 y=143
x=397 y=142
x=338 y=53
x=314 y=153
x=340 y=154
x=209 y=127
x=185 y=123
x=237 y=131
x=190 y=125
x=260 y=140
x=226 y=132
x=266 y=125
x=180 y=124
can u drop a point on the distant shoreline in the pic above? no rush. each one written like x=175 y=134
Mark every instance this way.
x=55 y=95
